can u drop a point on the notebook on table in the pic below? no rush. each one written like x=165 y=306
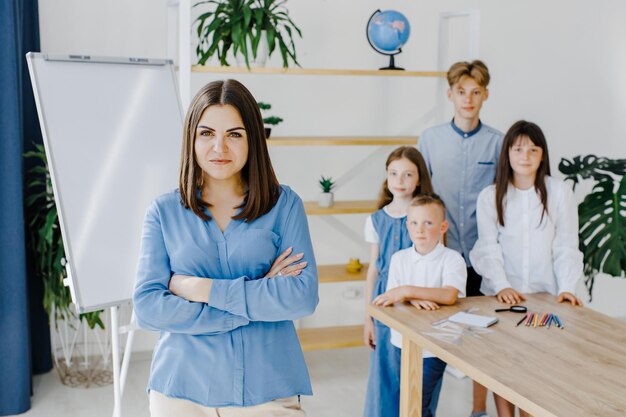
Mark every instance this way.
x=473 y=319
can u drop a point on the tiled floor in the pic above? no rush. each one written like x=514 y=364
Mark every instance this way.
x=339 y=379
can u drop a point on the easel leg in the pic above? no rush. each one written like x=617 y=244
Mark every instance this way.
x=119 y=376
x=411 y=379
x=115 y=348
x=127 y=354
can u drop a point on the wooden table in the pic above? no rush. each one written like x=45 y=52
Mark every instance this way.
x=576 y=371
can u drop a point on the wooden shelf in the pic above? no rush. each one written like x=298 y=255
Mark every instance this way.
x=315 y=71
x=316 y=338
x=341 y=140
x=341 y=207
x=338 y=273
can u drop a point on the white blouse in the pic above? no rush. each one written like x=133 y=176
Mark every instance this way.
x=528 y=253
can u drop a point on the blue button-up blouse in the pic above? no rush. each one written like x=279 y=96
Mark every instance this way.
x=240 y=348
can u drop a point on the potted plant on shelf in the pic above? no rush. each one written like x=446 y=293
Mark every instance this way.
x=601 y=215
x=326 y=196
x=43 y=225
x=251 y=27
x=269 y=120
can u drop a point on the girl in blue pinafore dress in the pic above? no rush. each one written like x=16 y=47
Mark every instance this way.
x=407 y=176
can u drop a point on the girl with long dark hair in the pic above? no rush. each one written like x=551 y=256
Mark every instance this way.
x=527 y=229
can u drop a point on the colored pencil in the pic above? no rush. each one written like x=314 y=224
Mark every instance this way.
x=543 y=317
x=560 y=322
x=520 y=322
x=530 y=318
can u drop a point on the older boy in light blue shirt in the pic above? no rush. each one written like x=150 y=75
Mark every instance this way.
x=462 y=156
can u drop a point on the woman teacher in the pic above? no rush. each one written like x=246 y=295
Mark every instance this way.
x=226 y=264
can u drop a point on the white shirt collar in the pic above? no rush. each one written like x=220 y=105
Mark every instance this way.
x=433 y=254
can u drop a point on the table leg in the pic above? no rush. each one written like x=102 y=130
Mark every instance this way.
x=411 y=379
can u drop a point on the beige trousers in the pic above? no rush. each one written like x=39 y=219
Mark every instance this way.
x=163 y=406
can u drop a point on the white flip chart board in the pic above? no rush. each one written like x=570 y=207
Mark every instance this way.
x=112 y=130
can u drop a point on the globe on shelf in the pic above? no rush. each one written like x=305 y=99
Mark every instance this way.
x=387 y=32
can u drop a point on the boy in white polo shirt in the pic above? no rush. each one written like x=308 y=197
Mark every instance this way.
x=426 y=275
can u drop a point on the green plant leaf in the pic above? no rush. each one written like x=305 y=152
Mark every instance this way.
x=247 y=16
x=49 y=225
x=38 y=170
x=93 y=319
x=34 y=154
x=236 y=34
x=258 y=18
x=326 y=184
x=215 y=25
x=603 y=228
x=34 y=198
x=256 y=39
x=602 y=214
x=283 y=50
x=590 y=166
x=217 y=38
x=272 y=120
x=224 y=51
x=271 y=39
x=37 y=183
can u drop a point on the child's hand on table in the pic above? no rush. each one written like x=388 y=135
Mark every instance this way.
x=393 y=296
x=568 y=296
x=510 y=296
x=424 y=304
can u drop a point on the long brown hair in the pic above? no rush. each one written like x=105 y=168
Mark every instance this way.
x=413 y=155
x=257 y=174
x=504 y=176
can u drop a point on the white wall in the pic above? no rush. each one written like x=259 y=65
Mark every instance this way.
x=559 y=63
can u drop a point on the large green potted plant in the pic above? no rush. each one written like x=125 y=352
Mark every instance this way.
x=43 y=224
x=601 y=215
x=242 y=24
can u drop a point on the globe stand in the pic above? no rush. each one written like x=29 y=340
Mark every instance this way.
x=392 y=62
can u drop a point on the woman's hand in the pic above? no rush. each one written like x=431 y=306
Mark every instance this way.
x=568 y=296
x=191 y=288
x=510 y=296
x=424 y=304
x=286 y=265
x=393 y=296
x=369 y=333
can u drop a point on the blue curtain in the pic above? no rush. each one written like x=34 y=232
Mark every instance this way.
x=24 y=331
